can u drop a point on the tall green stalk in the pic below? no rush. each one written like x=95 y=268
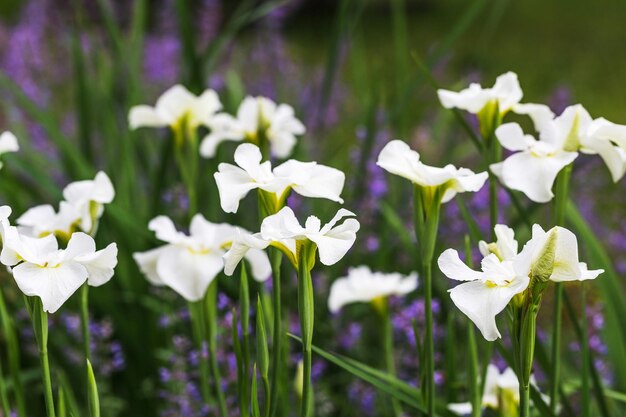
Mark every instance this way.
x=276 y=257
x=306 y=313
x=13 y=356
x=427 y=205
x=40 y=327
x=198 y=329
x=560 y=203
x=244 y=307
x=210 y=310
x=387 y=327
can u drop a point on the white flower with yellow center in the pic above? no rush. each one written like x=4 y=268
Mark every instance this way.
x=175 y=107
x=308 y=179
x=363 y=285
x=189 y=263
x=259 y=121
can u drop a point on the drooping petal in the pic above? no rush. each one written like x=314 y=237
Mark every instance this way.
x=145 y=116
x=472 y=99
x=532 y=175
x=188 y=273
x=313 y=180
x=100 y=265
x=586 y=274
x=613 y=156
x=147 y=262
x=240 y=247
x=341 y=213
x=233 y=184
x=465 y=180
x=223 y=127
x=54 y=285
x=481 y=302
x=454 y=268
x=334 y=244
x=259 y=264
x=399 y=159
x=540 y=114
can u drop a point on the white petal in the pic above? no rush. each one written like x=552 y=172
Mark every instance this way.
x=282 y=225
x=175 y=103
x=259 y=263
x=613 y=156
x=223 y=127
x=243 y=243
x=481 y=302
x=512 y=137
x=507 y=245
x=8 y=143
x=454 y=268
x=165 y=230
x=248 y=114
x=53 y=285
x=205 y=107
x=187 y=273
x=533 y=175
x=38 y=216
x=399 y=159
x=507 y=90
x=566 y=265
x=461 y=409
x=100 y=265
x=464 y=181
x=233 y=184
x=333 y=245
x=540 y=114
x=472 y=99
x=145 y=116
x=589 y=273
x=80 y=244
x=313 y=180
x=147 y=262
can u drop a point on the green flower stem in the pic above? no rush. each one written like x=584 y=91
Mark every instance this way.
x=84 y=320
x=4 y=400
x=307 y=313
x=475 y=385
x=263 y=355
x=427 y=205
x=276 y=257
x=40 y=327
x=210 y=310
x=382 y=306
x=586 y=362
x=198 y=327
x=187 y=159
x=560 y=203
x=13 y=356
x=244 y=307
